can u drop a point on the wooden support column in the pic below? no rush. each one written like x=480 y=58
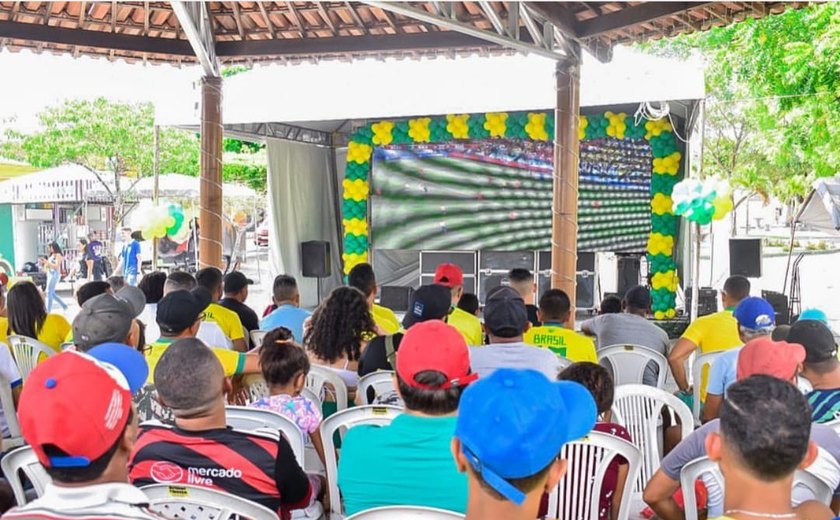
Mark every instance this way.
x=566 y=154
x=210 y=195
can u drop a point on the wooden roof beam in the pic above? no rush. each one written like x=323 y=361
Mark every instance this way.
x=629 y=16
x=325 y=15
x=356 y=18
x=237 y=18
x=268 y=24
x=568 y=27
x=296 y=19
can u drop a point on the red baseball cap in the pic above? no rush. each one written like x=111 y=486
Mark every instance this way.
x=434 y=345
x=449 y=275
x=80 y=403
x=773 y=358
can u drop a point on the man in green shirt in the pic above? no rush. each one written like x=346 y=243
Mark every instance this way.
x=409 y=462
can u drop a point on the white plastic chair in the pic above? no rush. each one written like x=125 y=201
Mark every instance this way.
x=257 y=337
x=628 y=363
x=578 y=494
x=7 y=402
x=27 y=351
x=381 y=382
x=405 y=513
x=198 y=503
x=326 y=383
x=24 y=459
x=707 y=469
x=639 y=409
x=341 y=422
x=256 y=419
x=697 y=379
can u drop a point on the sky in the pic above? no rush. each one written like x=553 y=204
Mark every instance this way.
x=45 y=79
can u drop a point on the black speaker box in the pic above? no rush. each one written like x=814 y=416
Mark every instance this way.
x=315 y=259
x=395 y=297
x=745 y=257
x=780 y=305
x=585 y=261
x=708 y=301
x=585 y=291
x=629 y=270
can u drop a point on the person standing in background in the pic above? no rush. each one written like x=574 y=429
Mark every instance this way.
x=96 y=265
x=129 y=264
x=452 y=277
x=52 y=265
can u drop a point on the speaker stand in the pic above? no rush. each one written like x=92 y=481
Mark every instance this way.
x=795 y=307
x=318 y=288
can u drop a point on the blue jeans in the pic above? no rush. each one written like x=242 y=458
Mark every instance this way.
x=131 y=278
x=52 y=281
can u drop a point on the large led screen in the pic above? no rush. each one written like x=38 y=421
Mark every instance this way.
x=496 y=195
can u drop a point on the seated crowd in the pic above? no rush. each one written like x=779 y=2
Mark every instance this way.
x=488 y=398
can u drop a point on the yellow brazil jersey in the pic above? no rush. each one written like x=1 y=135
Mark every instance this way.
x=233 y=362
x=54 y=331
x=4 y=329
x=227 y=320
x=468 y=325
x=563 y=342
x=385 y=319
x=713 y=333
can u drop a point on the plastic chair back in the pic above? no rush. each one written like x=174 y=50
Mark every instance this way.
x=578 y=494
x=405 y=513
x=700 y=361
x=198 y=503
x=24 y=459
x=379 y=382
x=255 y=419
x=628 y=363
x=639 y=409
x=7 y=402
x=257 y=337
x=709 y=471
x=341 y=422
x=326 y=383
x=27 y=352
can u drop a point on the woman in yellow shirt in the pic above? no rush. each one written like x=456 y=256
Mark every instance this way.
x=28 y=316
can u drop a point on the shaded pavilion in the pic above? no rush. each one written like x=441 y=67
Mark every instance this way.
x=215 y=33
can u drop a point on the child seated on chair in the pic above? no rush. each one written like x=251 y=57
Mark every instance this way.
x=599 y=382
x=285 y=366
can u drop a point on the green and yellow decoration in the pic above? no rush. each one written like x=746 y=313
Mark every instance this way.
x=534 y=126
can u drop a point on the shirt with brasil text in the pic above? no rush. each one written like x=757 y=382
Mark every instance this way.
x=233 y=362
x=562 y=341
x=255 y=466
x=227 y=320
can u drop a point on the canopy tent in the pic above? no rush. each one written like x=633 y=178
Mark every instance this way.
x=66 y=183
x=392 y=88
x=178 y=185
x=821 y=209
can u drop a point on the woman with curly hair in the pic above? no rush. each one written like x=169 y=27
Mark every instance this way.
x=338 y=332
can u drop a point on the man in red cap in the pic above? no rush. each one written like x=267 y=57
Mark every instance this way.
x=77 y=416
x=451 y=276
x=765 y=357
x=408 y=462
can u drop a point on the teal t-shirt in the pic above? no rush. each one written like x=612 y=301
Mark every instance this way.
x=408 y=462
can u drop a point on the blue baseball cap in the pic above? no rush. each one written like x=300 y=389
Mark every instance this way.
x=755 y=314
x=814 y=314
x=131 y=364
x=513 y=424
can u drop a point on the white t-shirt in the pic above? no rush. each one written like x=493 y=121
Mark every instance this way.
x=485 y=360
x=209 y=332
x=11 y=374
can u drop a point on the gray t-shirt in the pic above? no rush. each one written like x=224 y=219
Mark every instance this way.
x=624 y=328
x=694 y=447
x=484 y=360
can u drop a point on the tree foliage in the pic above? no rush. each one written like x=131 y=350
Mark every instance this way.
x=119 y=137
x=773 y=98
